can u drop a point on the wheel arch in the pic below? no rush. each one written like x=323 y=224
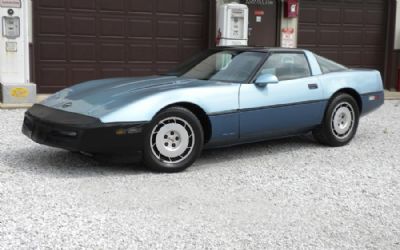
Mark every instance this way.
x=199 y=113
x=353 y=93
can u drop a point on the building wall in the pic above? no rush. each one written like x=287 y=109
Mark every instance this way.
x=392 y=62
x=392 y=57
x=76 y=41
x=353 y=33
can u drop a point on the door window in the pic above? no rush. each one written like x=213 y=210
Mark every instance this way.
x=286 y=66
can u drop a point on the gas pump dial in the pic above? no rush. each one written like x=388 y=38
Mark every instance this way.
x=11 y=27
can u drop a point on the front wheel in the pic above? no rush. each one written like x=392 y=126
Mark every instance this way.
x=173 y=141
x=340 y=122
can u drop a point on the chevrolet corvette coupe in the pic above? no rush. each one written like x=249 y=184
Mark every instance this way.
x=221 y=97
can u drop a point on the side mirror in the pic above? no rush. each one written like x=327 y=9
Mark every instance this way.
x=264 y=79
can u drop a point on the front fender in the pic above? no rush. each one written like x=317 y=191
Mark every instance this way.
x=212 y=99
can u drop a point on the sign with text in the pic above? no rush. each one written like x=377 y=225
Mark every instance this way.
x=259 y=13
x=259 y=2
x=10 y=3
x=19 y=92
x=288 y=38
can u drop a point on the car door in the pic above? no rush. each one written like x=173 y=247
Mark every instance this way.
x=292 y=105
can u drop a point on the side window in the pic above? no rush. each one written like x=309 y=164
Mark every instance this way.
x=328 y=66
x=286 y=66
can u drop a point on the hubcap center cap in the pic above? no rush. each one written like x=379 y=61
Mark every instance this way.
x=172 y=140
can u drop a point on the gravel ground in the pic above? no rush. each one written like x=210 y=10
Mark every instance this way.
x=290 y=193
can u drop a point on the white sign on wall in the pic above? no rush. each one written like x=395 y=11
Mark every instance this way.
x=288 y=38
x=10 y=3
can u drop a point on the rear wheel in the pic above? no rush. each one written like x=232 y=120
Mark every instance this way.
x=173 y=141
x=340 y=122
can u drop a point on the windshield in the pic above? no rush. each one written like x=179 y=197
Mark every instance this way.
x=230 y=66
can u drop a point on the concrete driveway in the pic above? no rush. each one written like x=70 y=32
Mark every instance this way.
x=290 y=193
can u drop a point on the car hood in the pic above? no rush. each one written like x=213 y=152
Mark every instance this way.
x=99 y=97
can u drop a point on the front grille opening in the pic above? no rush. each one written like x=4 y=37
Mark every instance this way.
x=64 y=133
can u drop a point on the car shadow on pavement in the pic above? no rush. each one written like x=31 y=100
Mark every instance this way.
x=255 y=150
x=55 y=162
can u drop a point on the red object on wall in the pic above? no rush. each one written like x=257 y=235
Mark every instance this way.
x=288 y=30
x=291 y=9
x=259 y=13
x=218 y=38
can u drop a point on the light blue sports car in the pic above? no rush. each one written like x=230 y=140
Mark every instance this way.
x=222 y=97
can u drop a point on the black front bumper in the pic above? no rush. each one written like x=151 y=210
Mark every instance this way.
x=76 y=132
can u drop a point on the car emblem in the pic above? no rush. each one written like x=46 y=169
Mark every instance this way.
x=67 y=105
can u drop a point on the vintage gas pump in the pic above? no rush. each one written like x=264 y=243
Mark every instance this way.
x=14 y=53
x=233 y=22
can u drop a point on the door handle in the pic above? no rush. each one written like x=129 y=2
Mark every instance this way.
x=313 y=86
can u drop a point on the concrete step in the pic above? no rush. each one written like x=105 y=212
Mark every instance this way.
x=39 y=98
x=391 y=95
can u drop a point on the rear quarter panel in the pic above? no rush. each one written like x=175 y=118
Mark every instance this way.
x=364 y=82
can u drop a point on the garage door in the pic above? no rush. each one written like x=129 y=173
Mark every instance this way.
x=352 y=32
x=78 y=40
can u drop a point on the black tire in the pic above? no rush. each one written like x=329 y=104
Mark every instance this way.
x=328 y=133
x=181 y=127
